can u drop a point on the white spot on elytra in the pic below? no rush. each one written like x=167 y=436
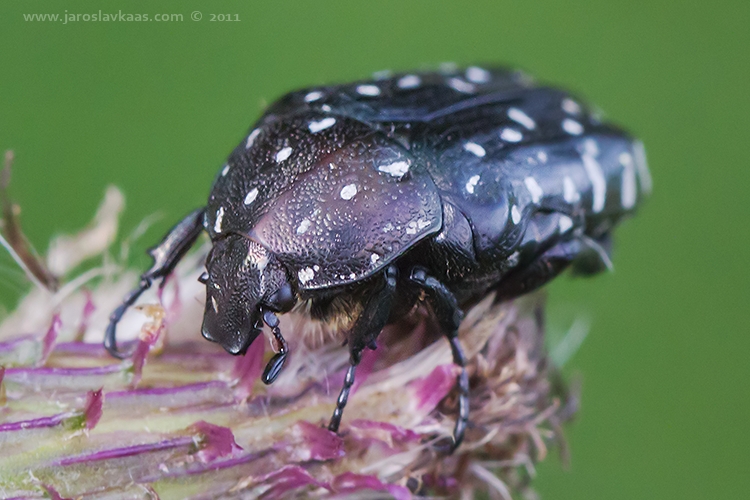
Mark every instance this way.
x=628 y=192
x=639 y=152
x=251 y=138
x=595 y=174
x=283 y=154
x=225 y=170
x=368 y=90
x=570 y=106
x=542 y=156
x=570 y=192
x=325 y=107
x=515 y=215
x=565 y=223
x=388 y=228
x=251 y=195
x=316 y=268
x=511 y=135
x=303 y=226
x=348 y=191
x=396 y=169
x=305 y=275
x=313 y=96
x=475 y=149
x=572 y=127
x=521 y=118
x=409 y=82
x=534 y=188
x=374 y=258
x=472 y=183
x=477 y=75
x=219 y=219
x=317 y=126
x=461 y=85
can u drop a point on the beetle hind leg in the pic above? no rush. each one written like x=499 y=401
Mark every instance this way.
x=166 y=255
x=449 y=316
x=366 y=329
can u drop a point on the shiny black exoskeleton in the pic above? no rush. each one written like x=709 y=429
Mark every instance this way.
x=362 y=199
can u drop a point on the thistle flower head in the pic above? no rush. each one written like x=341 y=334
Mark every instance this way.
x=183 y=419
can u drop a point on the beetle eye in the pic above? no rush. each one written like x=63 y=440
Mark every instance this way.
x=203 y=278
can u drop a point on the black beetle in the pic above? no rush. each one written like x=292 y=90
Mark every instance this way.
x=368 y=197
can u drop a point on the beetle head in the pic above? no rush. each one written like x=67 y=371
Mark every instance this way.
x=242 y=279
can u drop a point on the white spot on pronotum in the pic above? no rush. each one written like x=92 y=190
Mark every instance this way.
x=225 y=170
x=542 y=156
x=475 y=149
x=515 y=215
x=521 y=118
x=628 y=190
x=461 y=85
x=572 y=127
x=283 y=154
x=215 y=304
x=472 y=183
x=348 y=191
x=511 y=135
x=251 y=138
x=251 y=195
x=535 y=190
x=570 y=192
x=396 y=169
x=317 y=126
x=303 y=226
x=565 y=223
x=477 y=75
x=313 y=96
x=219 y=219
x=409 y=82
x=641 y=166
x=368 y=90
x=305 y=275
x=595 y=175
x=374 y=258
x=570 y=106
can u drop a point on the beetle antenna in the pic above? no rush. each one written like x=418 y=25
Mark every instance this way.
x=274 y=366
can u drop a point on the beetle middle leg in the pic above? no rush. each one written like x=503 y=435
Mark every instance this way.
x=366 y=329
x=449 y=316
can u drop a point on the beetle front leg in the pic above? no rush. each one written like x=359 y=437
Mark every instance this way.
x=449 y=316
x=366 y=329
x=166 y=255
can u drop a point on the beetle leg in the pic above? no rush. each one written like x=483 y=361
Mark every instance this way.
x=366 y=329
x=449 y=316
x=276 y=363
x=539 y=271
x=166 y=255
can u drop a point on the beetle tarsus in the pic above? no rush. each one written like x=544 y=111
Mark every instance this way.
x=449 y=316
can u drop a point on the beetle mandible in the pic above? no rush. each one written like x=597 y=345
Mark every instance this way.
x=439 y=186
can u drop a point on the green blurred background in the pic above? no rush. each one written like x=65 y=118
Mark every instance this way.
x=155 y=107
